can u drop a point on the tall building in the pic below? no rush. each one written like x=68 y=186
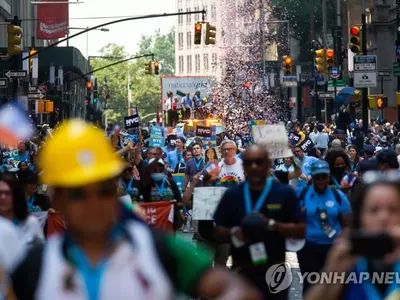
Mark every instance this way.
x=195 y=60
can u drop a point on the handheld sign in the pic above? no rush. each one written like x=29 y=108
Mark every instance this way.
x=203 y=131
x=132 y=121
x=273 y=138
x=205 y=201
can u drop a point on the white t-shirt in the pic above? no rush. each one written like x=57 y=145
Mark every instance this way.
x=11 y=247
x=231 y=174
x=30 y=230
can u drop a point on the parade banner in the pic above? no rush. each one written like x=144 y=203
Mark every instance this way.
x=52 y=20
x=157 y=138
x=274 y=139
x=160 y=215
x=205 y=201
x=203 y=131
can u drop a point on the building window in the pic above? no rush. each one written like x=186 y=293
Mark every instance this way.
x=189 y=39
x=181 y=64
x=196 y=16
x=205 y=62
x=180 y=40
x=188 y=17
x=213 y=12
x=189 y=63
x=197 y=62
x=214 y=58
x=180 y=17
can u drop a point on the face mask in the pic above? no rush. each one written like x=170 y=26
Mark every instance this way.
x=339 y=171
x=157 y=176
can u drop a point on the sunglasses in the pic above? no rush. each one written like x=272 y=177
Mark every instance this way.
x=80 y=194
x=250 y=162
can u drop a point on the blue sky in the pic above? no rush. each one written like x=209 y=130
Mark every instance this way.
x=127 y=33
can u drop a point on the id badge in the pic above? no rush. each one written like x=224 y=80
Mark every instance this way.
x=329 y=231
x=258 y=253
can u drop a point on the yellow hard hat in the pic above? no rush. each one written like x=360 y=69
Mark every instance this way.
x=78 y=154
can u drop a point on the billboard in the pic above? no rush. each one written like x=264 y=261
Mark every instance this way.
x=182 y=85
x=52 y=20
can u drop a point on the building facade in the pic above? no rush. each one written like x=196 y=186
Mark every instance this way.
x=194 y=60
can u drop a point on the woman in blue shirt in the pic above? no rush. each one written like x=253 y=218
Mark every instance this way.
x=377 y=211
x=326 y=212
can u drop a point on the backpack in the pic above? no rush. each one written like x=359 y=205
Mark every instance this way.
x=307 y=187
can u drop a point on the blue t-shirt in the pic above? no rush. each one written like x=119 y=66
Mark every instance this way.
x=327 y=201
x=173 y=158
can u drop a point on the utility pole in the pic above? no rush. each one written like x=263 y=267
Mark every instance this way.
x=129 y=91
x=398 y=58
x=262 y=41
x=324 y=45
x=365 y=118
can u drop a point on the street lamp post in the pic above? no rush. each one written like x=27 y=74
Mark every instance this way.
x=87 y=36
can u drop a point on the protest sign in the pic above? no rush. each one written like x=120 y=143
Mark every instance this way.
x=203 y=131
x=307 y=145
x=179 y=179
x=132 y=121
x=157 y=137
x=41 y=217
x=273 y=138
x=294 y=138
x=159 y=215
x=205 y=202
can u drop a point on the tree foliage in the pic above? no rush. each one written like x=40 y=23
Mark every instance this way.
x=146 y=90
x=298 y=14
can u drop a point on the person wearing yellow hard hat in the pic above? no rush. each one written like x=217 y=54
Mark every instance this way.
x=102 y=255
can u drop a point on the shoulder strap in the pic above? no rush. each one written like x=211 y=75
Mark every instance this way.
x=303 y=195
x=26 y=276
x=337 y=196
x=168 y=261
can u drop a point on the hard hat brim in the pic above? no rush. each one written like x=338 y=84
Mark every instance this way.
x=85 y=176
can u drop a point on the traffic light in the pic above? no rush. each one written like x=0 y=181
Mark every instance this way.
x=49 y=106
x=149 y=68
x=381 y=102
x=330 y=58
x=31 y=53
x=211 y=33
x=14 y=39
x=197 y=33
x=319 y=60
x=41 y=107
x=89 y=85
x=355 y=39
x=287 y=64
x=156 y=67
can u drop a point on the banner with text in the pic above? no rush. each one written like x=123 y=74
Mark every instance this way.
x=52 y=20
x=205 y=201
x=273 y=138
x=159 y=215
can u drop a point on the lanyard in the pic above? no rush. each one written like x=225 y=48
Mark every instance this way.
x=337 y=184
x=31 y=207
x=261 y=199
x=160 y=189
x=129 y=187
x=198 y=163
x=370 y=291
x=178 y=156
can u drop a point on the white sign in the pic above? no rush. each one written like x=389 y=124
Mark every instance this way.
x=16 y=74
x=364 y=79
x=178 y=85
x=205 y=201
x=274 y=138
x=365 y=63
x=36 y=96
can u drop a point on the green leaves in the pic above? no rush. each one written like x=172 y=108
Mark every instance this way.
x=145 y=89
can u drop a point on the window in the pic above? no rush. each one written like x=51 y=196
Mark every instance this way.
x=214 y=58
x=189 y=39
x=189 y=63
x=213 y=12
x=180 y=17
x=205 y=62
x=181 y=64
x=180 y=39
x=197 y=62
x=197 y=16
x=188 y=17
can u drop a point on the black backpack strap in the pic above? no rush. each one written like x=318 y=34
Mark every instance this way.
x=26 y=276
x=337 y=196
x=303 y=195
x=168 y=261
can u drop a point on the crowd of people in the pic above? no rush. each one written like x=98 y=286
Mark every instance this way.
x=322 y=202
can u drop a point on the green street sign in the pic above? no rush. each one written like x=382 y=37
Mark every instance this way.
x=339 y=83
x=396 y=69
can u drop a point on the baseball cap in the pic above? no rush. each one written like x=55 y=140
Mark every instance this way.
x=369 y=149
x=319 y=167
